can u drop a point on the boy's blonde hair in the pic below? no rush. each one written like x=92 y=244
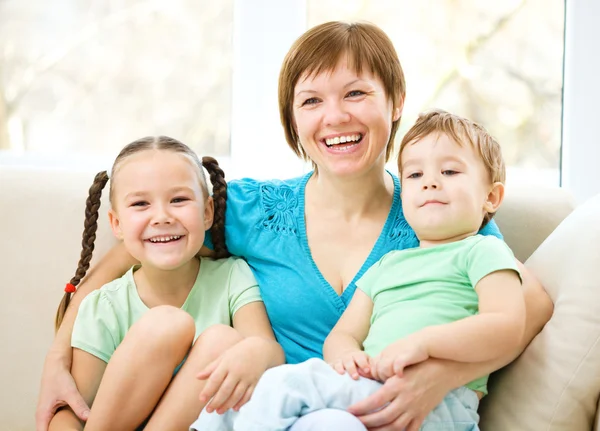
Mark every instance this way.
x=460 y=130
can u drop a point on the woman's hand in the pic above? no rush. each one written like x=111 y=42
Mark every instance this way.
x=58 y=389
x=405 y=401
x=232 y=377
x=356 y=363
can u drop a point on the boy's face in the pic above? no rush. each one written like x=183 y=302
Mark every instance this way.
x=446 y=189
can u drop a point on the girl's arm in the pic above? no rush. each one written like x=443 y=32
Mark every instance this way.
x=233 y=376
x=57 y=386
x=424 y=385
x=87 y=372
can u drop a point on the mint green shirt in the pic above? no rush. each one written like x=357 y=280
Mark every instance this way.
x=419 y=287
x=221 y=288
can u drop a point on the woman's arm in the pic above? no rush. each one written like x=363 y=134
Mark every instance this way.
x=57 y=386
x=424 y=385
x=87 y=372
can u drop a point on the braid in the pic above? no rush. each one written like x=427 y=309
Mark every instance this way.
x=217 y=178
x=92 y=206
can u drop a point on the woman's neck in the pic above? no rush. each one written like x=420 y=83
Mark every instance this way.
x=166 y=287
x=351 y=197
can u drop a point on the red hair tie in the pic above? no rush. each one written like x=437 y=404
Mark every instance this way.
x=69 y=288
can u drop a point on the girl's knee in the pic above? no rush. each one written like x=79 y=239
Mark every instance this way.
x=165 y=326
x=216 y=339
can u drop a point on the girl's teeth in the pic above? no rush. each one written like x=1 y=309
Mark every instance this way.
x=165 y=239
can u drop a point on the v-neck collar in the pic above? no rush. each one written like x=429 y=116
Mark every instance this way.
x=342 y=300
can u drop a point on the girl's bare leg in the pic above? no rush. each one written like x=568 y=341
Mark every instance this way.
x=180 y=405
x=141 y=368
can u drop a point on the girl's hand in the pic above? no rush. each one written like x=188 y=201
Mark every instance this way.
x=58 y=389
x=402 y=403
x=393 y=359
x=232 y=377
x=356 y=363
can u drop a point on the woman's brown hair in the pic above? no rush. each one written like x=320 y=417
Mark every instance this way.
x=219 y=194
x=320 y=49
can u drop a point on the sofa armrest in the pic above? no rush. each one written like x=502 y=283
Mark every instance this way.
x=529 y=214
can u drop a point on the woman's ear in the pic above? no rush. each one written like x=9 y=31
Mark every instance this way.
x=209 y=212
x=494 y=198
x=115 y=224
x=398 y=111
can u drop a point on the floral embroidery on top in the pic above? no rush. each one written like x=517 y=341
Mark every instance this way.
x=402 y=232
x=279 y=204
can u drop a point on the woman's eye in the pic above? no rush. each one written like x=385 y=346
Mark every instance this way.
x=355 y=93
x=449 y=172
x=415 y=175
x=310 y=101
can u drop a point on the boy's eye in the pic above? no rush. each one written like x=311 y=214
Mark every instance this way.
x=355 y=93
x=449 y=172
x=415 y=175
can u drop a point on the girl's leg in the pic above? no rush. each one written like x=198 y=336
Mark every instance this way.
x=328 y=419
x=180 y=406
x=141 y=368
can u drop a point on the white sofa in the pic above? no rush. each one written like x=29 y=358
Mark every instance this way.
x=554 y=385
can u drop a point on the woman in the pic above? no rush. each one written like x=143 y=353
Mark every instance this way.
x=308 y=239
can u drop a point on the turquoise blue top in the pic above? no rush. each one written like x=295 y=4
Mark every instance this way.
x=265 y=225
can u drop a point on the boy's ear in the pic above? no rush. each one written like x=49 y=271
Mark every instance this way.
x=494 y=198
x=209 y=212
x=115 y=224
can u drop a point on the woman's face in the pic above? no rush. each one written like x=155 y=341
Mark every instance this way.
x=344 y=120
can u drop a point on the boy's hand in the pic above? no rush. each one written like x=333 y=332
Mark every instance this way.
x=393 y=359
x=356 y=363
x=232 y=377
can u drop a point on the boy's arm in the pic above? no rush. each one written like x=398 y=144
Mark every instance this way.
x=87 y=372
x=497 y=329
x=57 y=387
x=351 y=330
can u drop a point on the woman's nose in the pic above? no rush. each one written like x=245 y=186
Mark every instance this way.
x=336 y=113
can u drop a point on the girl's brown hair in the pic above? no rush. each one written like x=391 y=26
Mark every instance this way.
x=320 y=49
x=219 y=194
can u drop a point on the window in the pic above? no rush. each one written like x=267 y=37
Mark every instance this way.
x=79 y=79
x=497 y=63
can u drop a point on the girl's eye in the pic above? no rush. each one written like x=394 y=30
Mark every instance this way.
x=139 y=204
x=415 y=175
x=449 y=172
x=355 y=93
x=179 y=200
x=310 y=101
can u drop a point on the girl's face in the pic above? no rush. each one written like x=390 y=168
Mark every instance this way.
x=344 y=120
x=159 y=208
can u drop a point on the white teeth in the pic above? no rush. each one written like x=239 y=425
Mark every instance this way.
x=164 y=238
x=342 y=139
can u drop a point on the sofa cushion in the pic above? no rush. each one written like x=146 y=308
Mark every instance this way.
x=554 y=385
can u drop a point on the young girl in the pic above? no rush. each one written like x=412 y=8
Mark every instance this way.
x=136 y=341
